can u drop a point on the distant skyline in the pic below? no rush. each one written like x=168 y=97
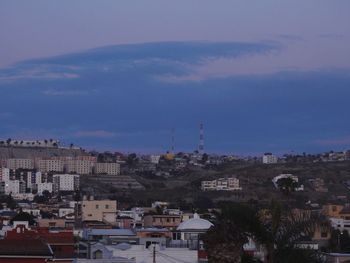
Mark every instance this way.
x=262 y=75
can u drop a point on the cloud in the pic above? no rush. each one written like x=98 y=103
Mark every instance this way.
x=35 y=72
x=53 y=92
x=121 y=99
x=188 y=52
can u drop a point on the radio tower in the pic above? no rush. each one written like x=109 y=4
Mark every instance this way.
x=172 y=140
x=201 y=138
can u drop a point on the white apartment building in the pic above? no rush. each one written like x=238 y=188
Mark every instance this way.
x=4 y=174
x=33 y=178
x=20 y=164
x=80 y=166
x=65 y=182
x=155 y=159
x=221 y=184
x=107 y=168
x=15 y=187
x=44 y=187
x=269 y=158
x=50 y=165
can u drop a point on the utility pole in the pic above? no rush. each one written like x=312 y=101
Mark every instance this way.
x=154 y=254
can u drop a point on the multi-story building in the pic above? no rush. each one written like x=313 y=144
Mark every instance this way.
x=107 y=168
x=269 y=158
x=44 y=187
x=15 y=187
x=155 y=159
x=50 y=165
x=65 y=182
x=20 y=164
x=225 y=184
x=167 y=221
x=33 y=178
x=79 y=166
x=4 y=174
x=99 y=210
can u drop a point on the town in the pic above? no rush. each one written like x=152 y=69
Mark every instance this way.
x=69 y=205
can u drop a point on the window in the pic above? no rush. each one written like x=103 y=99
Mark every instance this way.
x=97 y=206
x=107 y=206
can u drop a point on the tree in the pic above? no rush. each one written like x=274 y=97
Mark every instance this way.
x=278 y=230
x=23 y=216
x=287 y=185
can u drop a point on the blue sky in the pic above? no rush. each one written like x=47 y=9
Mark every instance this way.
x=111 y=75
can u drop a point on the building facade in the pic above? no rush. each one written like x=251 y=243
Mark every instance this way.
x=65 y=182
x=99 y=210
x=107 y=168
x=222 y=184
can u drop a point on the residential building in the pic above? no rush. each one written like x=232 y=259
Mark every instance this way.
x=63 y=212
x=155 y=159
x=65 y=182
x=52 y=222
x=162 y=221
x=79 y=166
x=20 y=164
x=44 y=187
x=222 y=184
x=269 y=158
x=50 y=165
x=107 y=168
x=15 y=187
x=33 y=178
x=21 y=245
x=99 y=210
x=4 y=174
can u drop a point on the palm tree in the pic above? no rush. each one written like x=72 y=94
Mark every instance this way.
x=277 y=230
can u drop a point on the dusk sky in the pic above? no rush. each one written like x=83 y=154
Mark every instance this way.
x=263 y=76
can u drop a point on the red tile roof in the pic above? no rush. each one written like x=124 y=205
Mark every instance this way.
x=25 y=247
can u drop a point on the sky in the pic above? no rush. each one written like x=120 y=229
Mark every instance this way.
x=262 y=76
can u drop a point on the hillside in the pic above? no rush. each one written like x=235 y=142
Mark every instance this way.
x=37 y=152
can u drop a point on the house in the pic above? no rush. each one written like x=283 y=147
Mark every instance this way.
x=148 y=236
x=221 y=184
x=22 y=245
x=114 y=235
x=162 y=221
x=60 y=241
x=20 y=250
x=269 y=158
x=99 y=210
